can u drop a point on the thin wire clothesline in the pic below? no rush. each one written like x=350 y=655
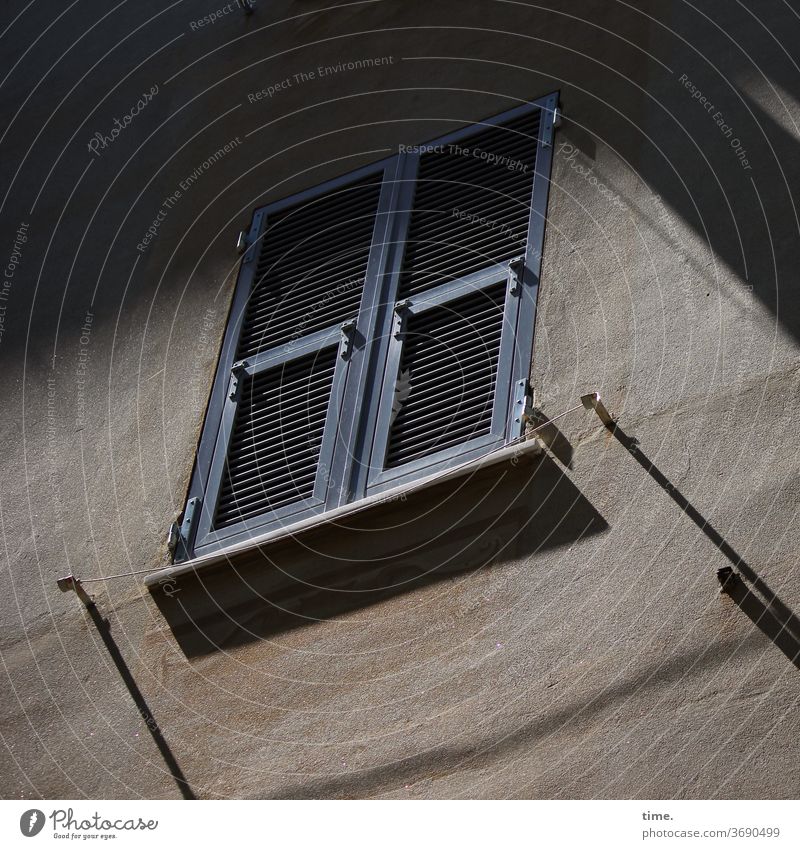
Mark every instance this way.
x=523 y=438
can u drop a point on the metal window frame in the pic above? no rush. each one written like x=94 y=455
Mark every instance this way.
x=356 y=428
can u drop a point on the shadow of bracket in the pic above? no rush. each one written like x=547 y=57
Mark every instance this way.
x=767 y=612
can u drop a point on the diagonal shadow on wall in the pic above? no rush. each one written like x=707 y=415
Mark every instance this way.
x=758 y=601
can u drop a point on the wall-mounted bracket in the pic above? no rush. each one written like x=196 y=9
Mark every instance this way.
x=523 y=406
x=592 y=402
x=70 y=582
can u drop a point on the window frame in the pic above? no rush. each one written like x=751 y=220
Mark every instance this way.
x=356 y=428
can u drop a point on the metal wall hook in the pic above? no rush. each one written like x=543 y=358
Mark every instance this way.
x=592 y=402
x=70 y=582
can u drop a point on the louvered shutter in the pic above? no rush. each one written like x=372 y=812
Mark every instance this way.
x=466 y=280
x=276 y=438
x=381 y=329
x=291 y=347
x=448 y=375
x=471 y=205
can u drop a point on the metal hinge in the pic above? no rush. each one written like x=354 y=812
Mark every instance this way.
x=348 y=329
x=237 y=370
x=523 y=406
x=245 y=243
x=400 y=312
x=552 y=122
x=173 y=535
x=187 y=530
x=516 y=273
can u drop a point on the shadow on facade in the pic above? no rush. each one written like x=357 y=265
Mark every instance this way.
x=565 y=716
x=104 y=629
x=758 y=601
x=501 y=514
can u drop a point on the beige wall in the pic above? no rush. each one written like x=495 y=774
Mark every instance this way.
x=550 y=631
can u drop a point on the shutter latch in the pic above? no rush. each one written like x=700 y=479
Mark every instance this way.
x=516 y=272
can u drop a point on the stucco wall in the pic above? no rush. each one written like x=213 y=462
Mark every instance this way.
x=556 y=631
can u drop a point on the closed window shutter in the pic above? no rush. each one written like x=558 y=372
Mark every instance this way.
x=448 y=374
x=311 y=268
x=273 y=453
x=451 y=349
x=381 y=330
x=277 y=438
x=471 y=208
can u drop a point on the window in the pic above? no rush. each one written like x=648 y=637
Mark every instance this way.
x=381 y=331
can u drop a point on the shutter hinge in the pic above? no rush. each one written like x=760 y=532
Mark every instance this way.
x=244 y=244
x=348 y=338
x=552 y=123
x=400 y=311
x=187 y=530
x=173 y=535
x=516 y=273
x=523 y=406
x=237 y=369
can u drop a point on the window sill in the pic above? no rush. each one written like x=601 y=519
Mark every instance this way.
x=510 y=453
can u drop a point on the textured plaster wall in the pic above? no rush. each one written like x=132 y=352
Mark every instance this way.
x=577 y=647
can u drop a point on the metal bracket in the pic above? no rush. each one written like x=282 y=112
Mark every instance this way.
x=70 y=582
x=552 y=121
x=348 y=338
x=592 y=402
x=237 y=370
x=522 y=411
x=400 y=311
x=173 y=535
x=188 y=527
x=233 y=389
x=516 y=273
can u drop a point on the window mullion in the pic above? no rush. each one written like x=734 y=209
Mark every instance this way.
x=367 y=369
